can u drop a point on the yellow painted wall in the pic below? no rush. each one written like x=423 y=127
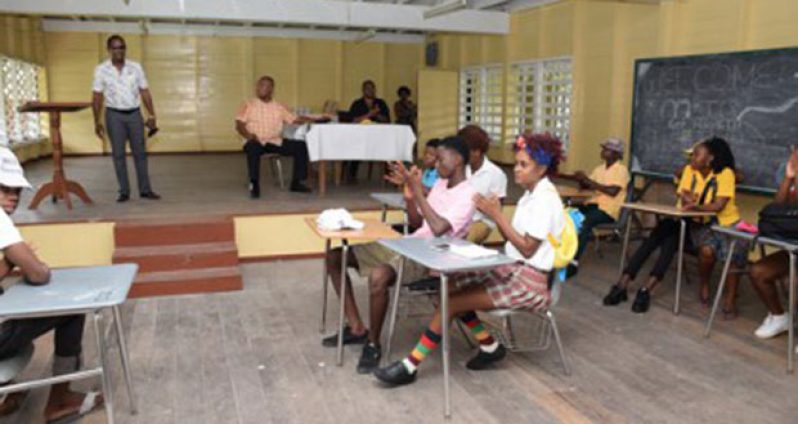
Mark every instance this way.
x=437 y=106
x=21 y=38
x=68 y=57
x=198 y=83
x=69 y=245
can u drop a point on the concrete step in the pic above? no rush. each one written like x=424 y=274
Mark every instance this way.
x=206 y=280
x=180 y=256
x=173 y=232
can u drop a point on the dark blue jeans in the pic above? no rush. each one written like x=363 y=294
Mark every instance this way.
x=593 y=216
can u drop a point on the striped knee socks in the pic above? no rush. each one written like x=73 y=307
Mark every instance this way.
x=428 y=342
x=478 y=330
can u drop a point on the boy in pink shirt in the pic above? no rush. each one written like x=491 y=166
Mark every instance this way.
x=447 y=210
x=454 y=204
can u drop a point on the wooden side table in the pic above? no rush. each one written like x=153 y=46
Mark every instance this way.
x=60 y=186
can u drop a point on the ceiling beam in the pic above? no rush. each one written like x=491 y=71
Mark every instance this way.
x=64 y=25
x=295 y=12
x=487 y=4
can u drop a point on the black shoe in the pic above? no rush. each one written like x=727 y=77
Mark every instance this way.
x=254 y=191
x=123 y=198
x=615 y=296
x=484 y=359
x=369 y=359
x=642 y=301
x=395 y=374
x=349 y=338
x=150 y=195
x=299 y=188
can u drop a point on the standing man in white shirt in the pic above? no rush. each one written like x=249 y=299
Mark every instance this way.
x=487 y=179
x=122 y=85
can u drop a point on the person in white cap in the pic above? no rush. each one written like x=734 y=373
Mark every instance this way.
x=609 y=181
x=17 y=334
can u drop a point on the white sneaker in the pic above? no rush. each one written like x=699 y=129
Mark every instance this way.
x=772 y=326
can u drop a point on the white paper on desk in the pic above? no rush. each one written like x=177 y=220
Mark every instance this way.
x=472 y=251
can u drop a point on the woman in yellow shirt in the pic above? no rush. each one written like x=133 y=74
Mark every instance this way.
x=706 y=184
x=712 y=245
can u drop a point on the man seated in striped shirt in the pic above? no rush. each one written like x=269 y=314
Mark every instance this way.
x=260 y=122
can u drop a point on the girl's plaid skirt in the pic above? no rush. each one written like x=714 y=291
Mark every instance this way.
x=514 y=286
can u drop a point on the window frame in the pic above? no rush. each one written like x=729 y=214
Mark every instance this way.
x=19 y=128
x=487 y=94
x=544 y=88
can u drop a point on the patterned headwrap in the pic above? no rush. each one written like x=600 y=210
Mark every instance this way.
x=538 y=155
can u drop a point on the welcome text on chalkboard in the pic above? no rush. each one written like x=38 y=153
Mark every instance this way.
x=749 y=98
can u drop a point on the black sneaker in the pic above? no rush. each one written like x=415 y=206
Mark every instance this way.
x=615 y=296
x=642 y=301
x=369 y=359
x=484 y=359
x=395 y=375
x=254 y=191
x=349 y=338
x=123 y=198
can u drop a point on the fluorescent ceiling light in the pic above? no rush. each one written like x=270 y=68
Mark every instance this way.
x=445 y=8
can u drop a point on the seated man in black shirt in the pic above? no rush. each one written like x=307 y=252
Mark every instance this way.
x=367 y=108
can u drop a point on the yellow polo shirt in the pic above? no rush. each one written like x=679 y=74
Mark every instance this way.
x=693 y=181
x=615 y=175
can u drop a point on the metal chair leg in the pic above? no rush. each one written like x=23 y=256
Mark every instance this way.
x=120 y=338
x=508 y=326
x=324 y=278
x=342 y=310
x=721 y=286
x=556 y=332
x=279 y=165
x=679 y=266
x=464 y=332
x=106 y=369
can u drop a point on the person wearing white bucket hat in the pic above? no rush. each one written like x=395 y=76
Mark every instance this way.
x=17 y=334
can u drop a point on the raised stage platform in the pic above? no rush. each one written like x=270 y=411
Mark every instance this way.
x=191 y=185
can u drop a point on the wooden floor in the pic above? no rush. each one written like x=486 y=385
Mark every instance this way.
x=254 y=357
x=217 y=182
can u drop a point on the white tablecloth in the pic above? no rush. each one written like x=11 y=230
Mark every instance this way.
x=295 y=132
x=378 y=142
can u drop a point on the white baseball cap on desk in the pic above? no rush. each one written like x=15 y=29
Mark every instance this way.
x=11 y=172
